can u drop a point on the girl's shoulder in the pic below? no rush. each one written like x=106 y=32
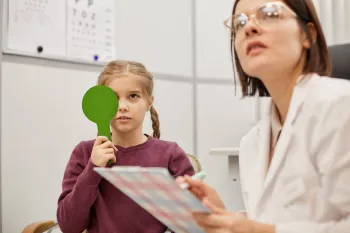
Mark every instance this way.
x=87 y=145
x=161 y=143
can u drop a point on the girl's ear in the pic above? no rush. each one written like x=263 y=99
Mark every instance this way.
x=306 y=42
x=150 y=103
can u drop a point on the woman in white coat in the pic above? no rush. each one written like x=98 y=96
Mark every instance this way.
x=295 y=163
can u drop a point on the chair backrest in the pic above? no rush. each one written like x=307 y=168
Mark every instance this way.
x=40 y=227
x=340 y=56
x=195 y=163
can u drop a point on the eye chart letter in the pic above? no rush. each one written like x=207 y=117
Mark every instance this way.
x=91 y=29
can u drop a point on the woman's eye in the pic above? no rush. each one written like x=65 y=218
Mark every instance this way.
x=240 y=22
x=240 y=25
x=269 y=13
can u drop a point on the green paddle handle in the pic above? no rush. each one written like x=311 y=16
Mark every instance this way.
x=104 y=130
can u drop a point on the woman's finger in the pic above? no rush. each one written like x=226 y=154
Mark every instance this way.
x=212 y=207
x=208 y=228
x=209 y=220
x=197 y=184
x=180 y=180
x=197 y=192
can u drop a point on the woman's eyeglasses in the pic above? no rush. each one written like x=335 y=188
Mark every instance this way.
x=266 y=16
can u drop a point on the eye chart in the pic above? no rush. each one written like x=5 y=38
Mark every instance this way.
x=70 y=30
x=91 y=30
x=36 y=26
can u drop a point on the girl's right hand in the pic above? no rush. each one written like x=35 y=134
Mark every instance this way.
x=103 y=151
x=201 y=190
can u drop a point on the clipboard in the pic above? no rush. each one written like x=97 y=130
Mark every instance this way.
x=155 y=190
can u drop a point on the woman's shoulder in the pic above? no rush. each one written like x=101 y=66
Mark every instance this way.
x=329 y=89
x=324 y=94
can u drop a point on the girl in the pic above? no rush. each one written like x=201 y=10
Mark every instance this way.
x=90 y=202
x=295 y=163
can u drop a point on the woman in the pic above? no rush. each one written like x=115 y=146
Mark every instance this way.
x=295 y=163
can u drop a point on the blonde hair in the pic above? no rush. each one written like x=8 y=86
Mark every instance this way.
x=120 y=67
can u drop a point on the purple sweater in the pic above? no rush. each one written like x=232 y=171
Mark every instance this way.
x=90 y=202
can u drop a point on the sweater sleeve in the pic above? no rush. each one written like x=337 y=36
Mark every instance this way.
x=179 y=164
x=79 y=192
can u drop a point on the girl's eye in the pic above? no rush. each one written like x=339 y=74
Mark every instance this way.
x=134 y=96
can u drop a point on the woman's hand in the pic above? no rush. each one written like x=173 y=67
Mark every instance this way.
x=103 y=151
x=201 y=190
x=223 y=221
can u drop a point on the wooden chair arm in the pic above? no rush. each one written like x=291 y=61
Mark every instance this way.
x=39 y=227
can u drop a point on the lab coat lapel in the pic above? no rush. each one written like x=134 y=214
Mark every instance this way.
x=257 y=177
x=299 y=93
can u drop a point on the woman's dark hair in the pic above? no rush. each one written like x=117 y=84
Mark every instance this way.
x=317 y=57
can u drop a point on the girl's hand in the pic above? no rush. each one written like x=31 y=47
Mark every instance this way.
x=103 y=151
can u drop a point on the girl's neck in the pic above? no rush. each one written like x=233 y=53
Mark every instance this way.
x=128 y=139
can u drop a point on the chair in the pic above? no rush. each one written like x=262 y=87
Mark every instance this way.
x=195 y=163
x=40 y=227
x=340 y=57
x=47 y=226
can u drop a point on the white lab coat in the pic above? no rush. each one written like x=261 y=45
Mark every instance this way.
x=307 y=187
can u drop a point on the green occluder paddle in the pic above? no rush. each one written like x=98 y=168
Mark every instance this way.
x=100 y=104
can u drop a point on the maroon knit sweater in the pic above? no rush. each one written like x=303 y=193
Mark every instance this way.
x=90 y=202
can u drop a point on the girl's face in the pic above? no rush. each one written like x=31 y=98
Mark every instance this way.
x=133 y=103
x=272 y=41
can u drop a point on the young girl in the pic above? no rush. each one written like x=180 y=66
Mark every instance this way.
x=92 y=203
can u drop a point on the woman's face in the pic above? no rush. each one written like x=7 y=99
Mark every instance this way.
x=273 y=42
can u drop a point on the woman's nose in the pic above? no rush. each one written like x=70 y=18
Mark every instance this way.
x=252 y=28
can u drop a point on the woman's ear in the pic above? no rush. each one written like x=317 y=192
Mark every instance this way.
x=307 y=43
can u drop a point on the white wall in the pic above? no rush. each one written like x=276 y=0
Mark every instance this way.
x=213 y=41
x=222 y=120
x=41 y=122
x=41 y=111
x=335 y=20
x=1 y=210
x=158 y=33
